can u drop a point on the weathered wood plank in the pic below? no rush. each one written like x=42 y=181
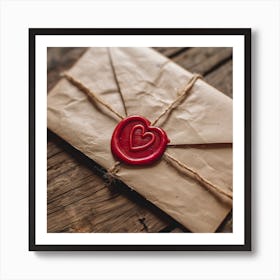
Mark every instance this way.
x=69 y=180
x=177 y=230
x=203 y=60
x=53 y=149
x=170 y=51
x=78 y=201
x=59 y=164
x=94 y=207
x=221 y=78
x=60 y=59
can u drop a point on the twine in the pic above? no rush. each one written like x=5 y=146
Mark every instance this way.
x=111 y=172
x=114 y=169
x=185 y=91
x=110 y=176
x=198 y=177
x=89 y=93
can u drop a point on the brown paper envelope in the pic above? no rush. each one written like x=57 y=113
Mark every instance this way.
x=200 y=127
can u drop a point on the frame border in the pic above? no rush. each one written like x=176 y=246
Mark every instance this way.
x=246 y=32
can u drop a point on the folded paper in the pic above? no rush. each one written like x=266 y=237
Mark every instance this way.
x=140 y=81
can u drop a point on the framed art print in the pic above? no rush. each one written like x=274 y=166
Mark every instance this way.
x=140 y=139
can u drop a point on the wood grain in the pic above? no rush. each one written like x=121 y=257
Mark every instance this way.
x=170 y=51
x=221 y=78
x=78 y=198
x=203 y=60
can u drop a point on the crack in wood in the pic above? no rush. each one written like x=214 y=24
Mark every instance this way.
x=142 y=222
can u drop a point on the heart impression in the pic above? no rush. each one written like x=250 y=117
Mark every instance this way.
x=135 y=142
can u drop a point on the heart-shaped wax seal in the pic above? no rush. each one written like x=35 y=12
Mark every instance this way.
x=135 y=142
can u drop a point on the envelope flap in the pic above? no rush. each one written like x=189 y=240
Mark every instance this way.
x=148 y=85
x=94 y=71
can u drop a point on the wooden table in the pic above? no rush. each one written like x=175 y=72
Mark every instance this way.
x=79 y=199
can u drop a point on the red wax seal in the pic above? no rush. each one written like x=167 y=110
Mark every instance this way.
x=135 y=142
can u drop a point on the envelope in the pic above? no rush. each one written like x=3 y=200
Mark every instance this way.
x=140 y=81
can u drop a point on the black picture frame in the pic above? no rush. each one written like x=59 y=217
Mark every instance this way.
x=246 y=32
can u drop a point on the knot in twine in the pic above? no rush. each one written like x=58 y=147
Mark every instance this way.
x=110 y=176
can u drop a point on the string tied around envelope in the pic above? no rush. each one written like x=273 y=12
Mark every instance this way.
x=110 y=176
x=196 y=176
x=180 y=97
x=89 y=93
x=111 y=172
